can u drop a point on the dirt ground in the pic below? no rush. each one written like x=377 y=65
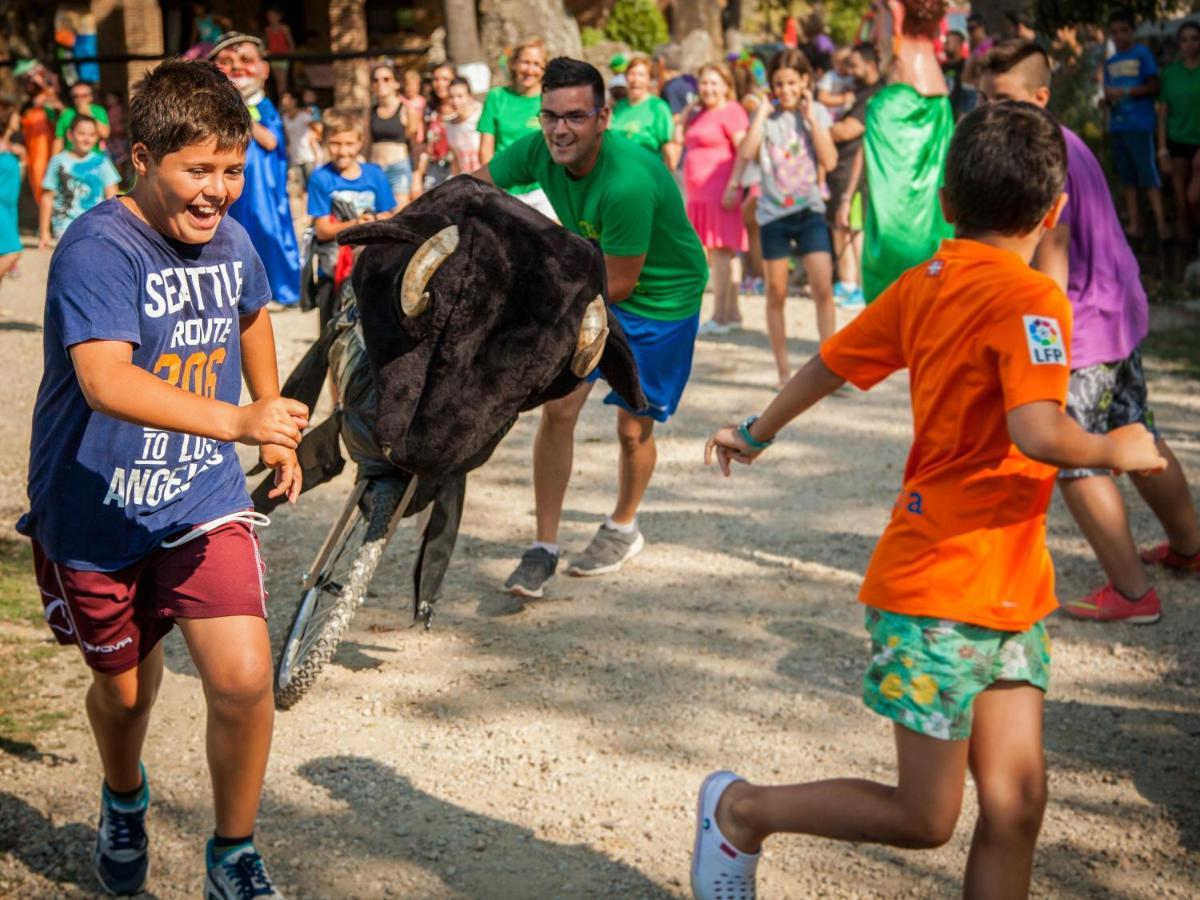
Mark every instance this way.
x=555 y=750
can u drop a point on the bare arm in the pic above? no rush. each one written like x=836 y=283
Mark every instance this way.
x=823 y=144
x=810 y=384
x=45 y=209
x=846 y=129
x=487 y=151
x=264 y=137
x=1051 y=256
x=671 y=152
x=113 y=385
x=842 y=214
x=1043 y=432
x=623 y=274
x=1163 y=148
x=483 y=174
x=261 y=371
x=327 y=228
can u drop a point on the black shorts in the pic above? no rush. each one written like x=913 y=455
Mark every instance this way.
x=1182 y=150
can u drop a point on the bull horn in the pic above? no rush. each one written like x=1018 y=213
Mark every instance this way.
x=593 y=332
x=431 y=254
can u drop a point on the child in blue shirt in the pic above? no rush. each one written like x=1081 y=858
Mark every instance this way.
x=137 y=503
x=76 y=180
x=343 y=192
x=1130 y=86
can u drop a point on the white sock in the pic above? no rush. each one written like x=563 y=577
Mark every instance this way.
x=624 y=529
x=552 y=549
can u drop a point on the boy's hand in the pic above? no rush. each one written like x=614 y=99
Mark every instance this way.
x=289 y=477
x=272 y=420
x=1134 y=450
x=728 y=446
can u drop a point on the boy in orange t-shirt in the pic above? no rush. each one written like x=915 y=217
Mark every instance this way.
x=961 y=579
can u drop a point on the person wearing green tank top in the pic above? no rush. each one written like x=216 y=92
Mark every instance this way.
x=908 y=129
x=608 y=189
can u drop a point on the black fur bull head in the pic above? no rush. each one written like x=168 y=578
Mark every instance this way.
x=475 y=307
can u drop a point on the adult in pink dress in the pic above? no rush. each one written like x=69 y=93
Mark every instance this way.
x=713 y=128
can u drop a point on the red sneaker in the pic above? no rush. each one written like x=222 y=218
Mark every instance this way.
x=1107 y=604
x=1164 y=556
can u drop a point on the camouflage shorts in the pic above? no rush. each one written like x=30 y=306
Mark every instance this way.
x=926 y=673
x=1101 y=398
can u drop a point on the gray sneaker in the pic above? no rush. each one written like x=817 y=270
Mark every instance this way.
x=239 y=875
x=608 y=551
x=537 y=566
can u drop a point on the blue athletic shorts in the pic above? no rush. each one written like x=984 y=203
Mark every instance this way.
x=1134 y=159
x=663 y=353
x=806 y=230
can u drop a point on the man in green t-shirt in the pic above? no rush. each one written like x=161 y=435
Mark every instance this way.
x=608 y=189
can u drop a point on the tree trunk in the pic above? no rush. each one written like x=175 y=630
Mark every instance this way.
x=348 y=31
x=505 y=23
x=462 y=32
x=699 y=15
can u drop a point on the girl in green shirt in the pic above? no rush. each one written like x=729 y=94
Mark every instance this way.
x=644 y=118
x=1179 y=129
x=510 y=113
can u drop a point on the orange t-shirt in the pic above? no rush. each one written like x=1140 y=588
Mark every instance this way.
x=981 y=333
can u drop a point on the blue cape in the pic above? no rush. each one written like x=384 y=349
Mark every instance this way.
x=264 y=212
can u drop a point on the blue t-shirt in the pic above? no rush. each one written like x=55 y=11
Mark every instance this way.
x=78 y=185
x=1129 y=69
x=104 y=493
x=369 y=192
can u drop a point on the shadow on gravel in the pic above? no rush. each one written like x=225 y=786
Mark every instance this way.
x=27 y=751
x=59 y=853
x=20 y=326
x=475 y=855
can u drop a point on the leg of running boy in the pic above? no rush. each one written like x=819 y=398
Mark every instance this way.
x=233 y=657
x=819 y=267
x=776 y=272
x=118 y=707
x=920 y=811
x=1009 y=770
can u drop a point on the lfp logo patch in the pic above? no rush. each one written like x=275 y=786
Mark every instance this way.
x=1044 y=337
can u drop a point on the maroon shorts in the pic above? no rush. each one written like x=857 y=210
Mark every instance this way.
x=116 y=618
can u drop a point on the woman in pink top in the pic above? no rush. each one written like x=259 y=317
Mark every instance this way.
x=714 y=127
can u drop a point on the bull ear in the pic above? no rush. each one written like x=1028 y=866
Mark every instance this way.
x=422 y=266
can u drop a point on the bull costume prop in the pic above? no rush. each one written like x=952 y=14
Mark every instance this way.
x=471 y=308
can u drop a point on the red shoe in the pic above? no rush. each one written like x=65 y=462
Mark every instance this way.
x=1164 y=556
x=1107 y=604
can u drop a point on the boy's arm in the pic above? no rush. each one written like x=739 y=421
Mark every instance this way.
x=327 y=228
x=113 y=385
x=1043 y=432
x=261 y=371
x=1052 y=255
x=811 y=383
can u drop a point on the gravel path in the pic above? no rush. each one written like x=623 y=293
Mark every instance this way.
x=554 y=750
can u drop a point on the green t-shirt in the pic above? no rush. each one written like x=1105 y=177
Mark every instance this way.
x=67 y=116
x=904 y=148
x=649 y=123
x=510 y=116
x=630 y=203
x=1181 y=93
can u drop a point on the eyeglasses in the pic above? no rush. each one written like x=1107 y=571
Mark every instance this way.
x=574 y=119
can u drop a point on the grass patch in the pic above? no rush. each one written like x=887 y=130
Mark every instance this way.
x=1175 y=349
x=22 y=715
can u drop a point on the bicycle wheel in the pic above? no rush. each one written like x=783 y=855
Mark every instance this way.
x=337 y=589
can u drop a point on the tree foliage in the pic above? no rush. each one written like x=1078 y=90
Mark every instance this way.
x=638 y=23
x=842 y=18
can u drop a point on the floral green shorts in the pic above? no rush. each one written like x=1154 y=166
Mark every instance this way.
x=925 y=673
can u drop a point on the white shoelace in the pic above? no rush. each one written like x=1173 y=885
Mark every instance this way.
x=247 y=516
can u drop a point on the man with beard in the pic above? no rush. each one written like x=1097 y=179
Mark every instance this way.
x=608 y=189
x=263 y=209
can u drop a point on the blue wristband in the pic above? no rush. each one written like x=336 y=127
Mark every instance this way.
x=751 y=441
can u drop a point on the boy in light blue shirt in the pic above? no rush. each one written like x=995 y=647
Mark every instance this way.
x=75 y=180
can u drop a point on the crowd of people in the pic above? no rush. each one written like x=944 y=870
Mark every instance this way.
x=919 y=181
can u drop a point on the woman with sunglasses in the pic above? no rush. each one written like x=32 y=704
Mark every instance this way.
x=389 y=132
x=511 y=112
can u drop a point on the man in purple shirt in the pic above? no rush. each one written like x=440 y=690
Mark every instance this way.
x=1088 y=256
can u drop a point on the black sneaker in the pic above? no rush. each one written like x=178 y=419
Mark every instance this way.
x=535 y=569
x=122 y=855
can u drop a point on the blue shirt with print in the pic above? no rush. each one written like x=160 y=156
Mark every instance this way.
x=104 y=493
x=369 y=192
x=78 y=184
x=1129 y=69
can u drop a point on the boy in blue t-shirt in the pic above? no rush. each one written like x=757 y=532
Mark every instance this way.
x=341 y=193
x=138 y=507
x=76 y=180
x=1130 y=86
